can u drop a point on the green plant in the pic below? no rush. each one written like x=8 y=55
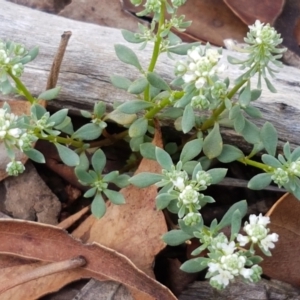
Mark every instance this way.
x=197 y=87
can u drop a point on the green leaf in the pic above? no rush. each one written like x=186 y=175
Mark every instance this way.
x=134 y=106
x=195 y=265
x=255 y=94
x=148 y=151
x=127 y=56
x=130 y=37
x=163 y=200
x=32 y=53
x=235 y=224
x=245 y=96
x=98 y=161
x=136 y=142
x=226 y=220
x=163 y=158
x=99 y=109
x=98 y=206
x=217 y=174
x=213 y=144
x=171 y=113
x=157 y=81
x=121 y=181
x=90 y=193
x=270 y=85
x=269 y=137
x=110 y=176
x=191 y=150
x=66 y=126
x=230 y=153
x=188 y=119
x=35 y=155
x=234 y=112
x=38 y=111
x=84 y=161
x=260 y=181
x=88 y=132
x=176 y=237
x=49 y=94
x=58 y=117
x=250 y=133
x=84 y=176
x=138 y=86
x=295 y=154
x=287 y=150
x=253 y=112
x=239 y=122
x=67 y=155
x=120 y=82
x=183 y=48
x=138 y=127
x=120 y=117
x=145 y=179
x=271 y=161
x=114 y=197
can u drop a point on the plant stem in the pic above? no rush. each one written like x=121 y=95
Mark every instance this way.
x=156 y=49
x=211 y=121
x=255 y=164
x=21 y=87
x=61 y=140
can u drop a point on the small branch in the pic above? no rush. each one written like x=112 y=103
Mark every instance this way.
x=42 y=271
x=53 y=76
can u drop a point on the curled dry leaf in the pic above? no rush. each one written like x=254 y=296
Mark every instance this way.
x=266 y=11
x=284 y=264
x=50 y=244
x=134 y=229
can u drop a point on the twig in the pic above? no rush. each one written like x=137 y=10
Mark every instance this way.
x=53 y=76
x=42 y=271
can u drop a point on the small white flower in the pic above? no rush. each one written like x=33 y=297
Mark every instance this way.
x=268 y=242
x=15 y=132
x=243 y=240
x=222 y=279
x=247 y=273
x=189 y=195
x=295 y=168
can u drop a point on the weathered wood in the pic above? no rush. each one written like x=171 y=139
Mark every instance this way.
x=90 y=60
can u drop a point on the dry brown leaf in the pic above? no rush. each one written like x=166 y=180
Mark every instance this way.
x=48 y=243
x=18 y=107
x=266 y=11
x=213 y=21
x=133 y=229
x=284 y=264
x=105 y=12
x=286 y=25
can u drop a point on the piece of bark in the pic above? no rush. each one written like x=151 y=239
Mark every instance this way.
x=27 y=197
x=239 y=290
x=90 y=60
x=107 y=290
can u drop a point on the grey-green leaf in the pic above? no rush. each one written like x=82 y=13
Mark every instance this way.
x=98 y=206
x=67 y=155
x=49 y=94
x=88 y=132
x=138 y=128
x=213 y=143
x=114 y=197
x=188 y=119
x=145 y=179
x=195 y=265
x=138 y=86
x=127 y=56
x=120 y=82
x=134 y=106
x=35 y=155
x=269 y=137
x=98 y=161
x=157 y=81
x=260 y=181
x=191 y=150
x=176 y=237
x=230 y=153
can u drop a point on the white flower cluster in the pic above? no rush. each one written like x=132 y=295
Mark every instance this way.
x=295 y=168
x=280 y=177
x=8 y=58
x=14 y=137
x=257 y=233
x=200 y=66
x=227 y=261
x=188 y=192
